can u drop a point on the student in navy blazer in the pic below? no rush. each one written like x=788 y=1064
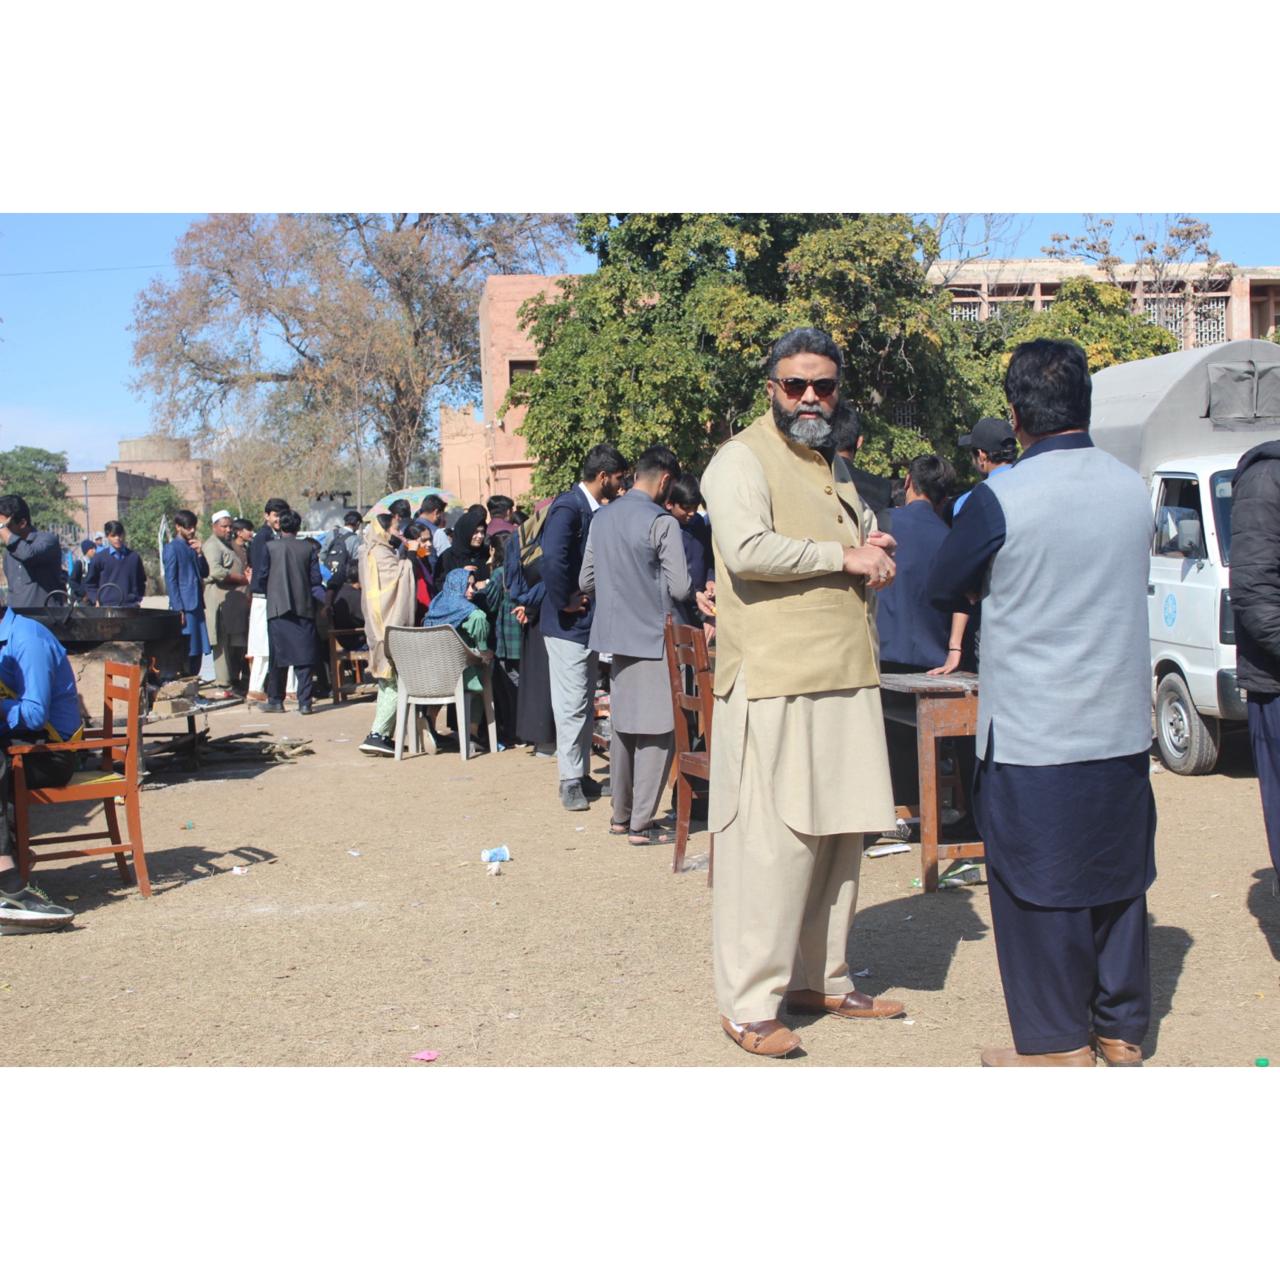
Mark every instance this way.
x=185 y=569
x=566 y=614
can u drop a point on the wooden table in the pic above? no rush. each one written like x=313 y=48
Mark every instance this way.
x=945 y=707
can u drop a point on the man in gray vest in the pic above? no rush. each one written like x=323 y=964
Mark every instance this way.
x=634 y=565
x=1058 y=549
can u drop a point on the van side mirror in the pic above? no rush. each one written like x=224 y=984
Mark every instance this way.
x=1189 y=538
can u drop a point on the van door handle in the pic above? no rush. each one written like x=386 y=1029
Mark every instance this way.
x=1151 y=588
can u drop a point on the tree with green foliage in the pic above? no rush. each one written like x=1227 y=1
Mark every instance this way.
x=142 y=526
x=1100 y=318
x=665 y=342
x=36 y=475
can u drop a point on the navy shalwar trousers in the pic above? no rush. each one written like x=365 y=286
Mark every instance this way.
x=1264 y=736
x=1061 y=965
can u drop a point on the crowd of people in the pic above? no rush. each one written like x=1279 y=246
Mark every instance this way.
x=812 y=577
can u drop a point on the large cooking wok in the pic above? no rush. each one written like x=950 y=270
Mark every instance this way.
x=81 y=627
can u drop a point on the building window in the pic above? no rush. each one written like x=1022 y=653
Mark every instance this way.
x=965 y=310
x=1010 y=306
x=1166 y=312
x=515 y=367
x=1211 y=321
x=903 y=415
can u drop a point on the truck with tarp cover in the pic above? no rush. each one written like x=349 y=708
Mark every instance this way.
x=1182 y=421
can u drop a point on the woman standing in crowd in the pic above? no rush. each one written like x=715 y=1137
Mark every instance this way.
x=468 y=549
x=535 y=722
x=387 y=599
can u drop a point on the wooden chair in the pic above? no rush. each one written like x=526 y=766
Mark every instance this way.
x=687 y=646
x=358 y=658
x=431 y=671
x=120 y=741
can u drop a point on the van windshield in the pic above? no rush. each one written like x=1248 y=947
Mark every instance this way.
x=1220 y=486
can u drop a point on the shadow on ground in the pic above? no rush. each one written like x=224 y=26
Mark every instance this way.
x=1169 y=948
x=921 y=959
x=1265 y=907
x=86 y=884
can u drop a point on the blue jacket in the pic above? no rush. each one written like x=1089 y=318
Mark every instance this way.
x=35 y=667
x=564 y=538
x=912 y=631
x=183 y=575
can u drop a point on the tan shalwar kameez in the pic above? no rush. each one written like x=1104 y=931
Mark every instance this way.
x=795 y=780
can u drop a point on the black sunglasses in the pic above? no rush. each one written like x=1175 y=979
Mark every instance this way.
x=796 y=387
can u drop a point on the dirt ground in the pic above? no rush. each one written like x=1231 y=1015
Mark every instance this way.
x=584 y=952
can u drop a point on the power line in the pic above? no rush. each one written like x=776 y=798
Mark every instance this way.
x=80 y=271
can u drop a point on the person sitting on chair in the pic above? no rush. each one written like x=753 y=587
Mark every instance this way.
x=38 y=703
x=455 y=607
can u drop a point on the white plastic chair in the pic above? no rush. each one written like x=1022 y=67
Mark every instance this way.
x=431 y=670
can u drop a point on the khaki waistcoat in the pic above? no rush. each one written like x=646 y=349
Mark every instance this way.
x=812 y=635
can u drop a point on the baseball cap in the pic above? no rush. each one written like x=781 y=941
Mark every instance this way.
x=988 y=434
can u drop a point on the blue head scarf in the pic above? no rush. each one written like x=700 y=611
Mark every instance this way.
x=451 y=607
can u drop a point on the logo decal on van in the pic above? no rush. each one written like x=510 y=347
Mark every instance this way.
x=1170 y=609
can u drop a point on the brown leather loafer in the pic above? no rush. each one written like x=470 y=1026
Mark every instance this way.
x=1082 y=1057
x=771 y=1039
x=852 y=1005
x=1118 y=1053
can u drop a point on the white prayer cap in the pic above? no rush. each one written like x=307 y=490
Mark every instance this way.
x=219 y=515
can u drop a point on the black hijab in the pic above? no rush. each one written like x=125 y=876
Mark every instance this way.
x=461 y=553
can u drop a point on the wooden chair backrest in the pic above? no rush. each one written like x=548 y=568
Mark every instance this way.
x=122 y=713
x=687 y=646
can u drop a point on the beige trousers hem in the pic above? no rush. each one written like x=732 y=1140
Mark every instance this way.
x=782 y=907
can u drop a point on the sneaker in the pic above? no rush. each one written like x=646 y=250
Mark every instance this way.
x=272 y=706
x=378 y=745
x=31 y=904
x=572 y=797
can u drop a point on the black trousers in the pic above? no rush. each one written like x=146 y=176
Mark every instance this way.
x=1068 y=971
x=1264 y=736
x=277 y=677
x=53 y=769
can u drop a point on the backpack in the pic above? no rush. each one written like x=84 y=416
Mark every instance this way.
x=531 y=546
x=337 y=565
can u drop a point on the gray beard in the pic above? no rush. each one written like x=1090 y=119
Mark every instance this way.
x=811 y=432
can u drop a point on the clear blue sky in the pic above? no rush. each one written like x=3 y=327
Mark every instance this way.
x=64 y=332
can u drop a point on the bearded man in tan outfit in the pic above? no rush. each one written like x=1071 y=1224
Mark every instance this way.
x=799 y=769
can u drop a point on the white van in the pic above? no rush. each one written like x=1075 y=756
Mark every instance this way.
x=1183 y=421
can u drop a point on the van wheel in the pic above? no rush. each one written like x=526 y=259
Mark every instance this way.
x=1187 y=742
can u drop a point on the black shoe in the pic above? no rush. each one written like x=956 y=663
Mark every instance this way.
x=271 y=707
x=572 y=797
x=376 y=745
x=593 y=790
x=31 y=904
x=304 y=709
